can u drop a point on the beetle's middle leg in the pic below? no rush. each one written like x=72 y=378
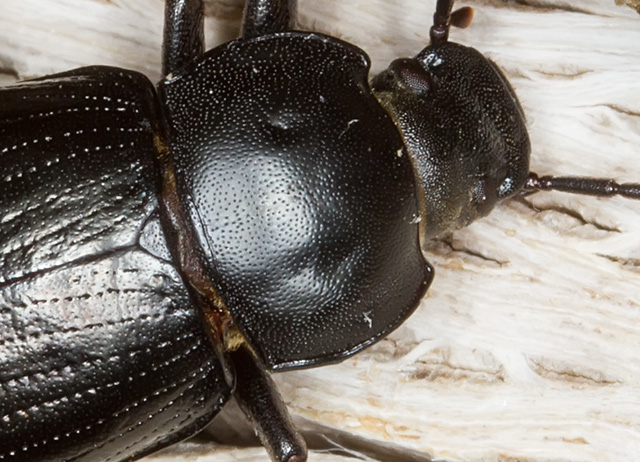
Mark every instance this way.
x=263 y=17
x=183 y=39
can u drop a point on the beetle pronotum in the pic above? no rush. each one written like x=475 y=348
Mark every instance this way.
x=475 y=375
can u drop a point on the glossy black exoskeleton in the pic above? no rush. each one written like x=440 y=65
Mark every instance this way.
x=262 y=209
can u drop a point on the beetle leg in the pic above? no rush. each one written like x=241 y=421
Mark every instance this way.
x=183 y=38
x=600 y=187
x=259 y=399
x=263 y=17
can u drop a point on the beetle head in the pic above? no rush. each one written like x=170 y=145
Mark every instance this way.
x=464 y=131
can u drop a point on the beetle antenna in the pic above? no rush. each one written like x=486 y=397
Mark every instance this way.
x=443 y=19
x=439 y=32
x=599 y=187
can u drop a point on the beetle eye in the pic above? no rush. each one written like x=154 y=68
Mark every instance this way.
x=485 y=195
x=508 y=188
x=404 y=74
x=411 y=75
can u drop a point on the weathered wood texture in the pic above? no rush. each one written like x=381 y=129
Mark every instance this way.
x=527 y=346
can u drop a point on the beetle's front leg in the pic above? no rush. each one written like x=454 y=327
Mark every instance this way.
x=258 y=397
x=263 y=17
x=183 y=38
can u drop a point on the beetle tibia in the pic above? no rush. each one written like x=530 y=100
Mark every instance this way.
x=259 y=399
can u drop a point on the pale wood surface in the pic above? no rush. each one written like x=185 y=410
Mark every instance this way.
x=526 y=347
